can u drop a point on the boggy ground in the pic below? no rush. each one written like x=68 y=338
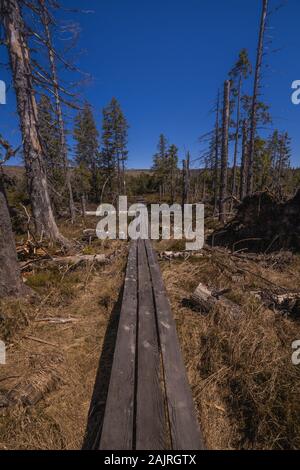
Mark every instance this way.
x=245 y=387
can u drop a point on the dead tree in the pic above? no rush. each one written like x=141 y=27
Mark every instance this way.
x=224 y=154
x=10 y=276
x=46 y=21
x=236 y=143
x=253 y=121
x=217 y=151
x=244 y=162
x=186 y=180
x=20 y=64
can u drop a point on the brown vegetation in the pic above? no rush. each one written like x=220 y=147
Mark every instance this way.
x=47 y=384
x=244 y=384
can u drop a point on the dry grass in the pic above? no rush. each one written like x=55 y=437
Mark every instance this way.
x=59 y=420
x=246 y=390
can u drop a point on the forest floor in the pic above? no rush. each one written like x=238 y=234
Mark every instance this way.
x=245 y=387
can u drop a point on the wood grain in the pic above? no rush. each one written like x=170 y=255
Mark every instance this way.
x=184 y=428
x=150 y=417
x=117 y=432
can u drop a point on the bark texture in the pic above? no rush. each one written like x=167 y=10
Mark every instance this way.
x=10 y=276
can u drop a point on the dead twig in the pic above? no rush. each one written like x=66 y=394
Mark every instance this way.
x=42 y=341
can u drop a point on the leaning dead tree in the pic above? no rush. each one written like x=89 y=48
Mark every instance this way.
x=253 y=120
x=224 y=154
x=20 y=64
x=46 y=21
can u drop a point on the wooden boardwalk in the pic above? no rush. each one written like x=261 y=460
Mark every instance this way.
x=149 y=404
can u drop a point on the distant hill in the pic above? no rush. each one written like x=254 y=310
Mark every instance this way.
x=18 y=171
x=14 y=171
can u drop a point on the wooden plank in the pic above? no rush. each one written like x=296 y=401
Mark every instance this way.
x=150 y=416
x=117 y=432
x=184 y=428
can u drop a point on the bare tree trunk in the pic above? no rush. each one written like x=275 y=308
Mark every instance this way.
x=236 y=144
x=253 y=124
x=118 y=177
x=204 y=187
x=27 y=110
x=83 y=206
x=216 y=163
x=224 y=156
x=63 y=144
x=10 y=276
x=123 y=178
x=172 y=186
x=244 y=163
x=186 y=180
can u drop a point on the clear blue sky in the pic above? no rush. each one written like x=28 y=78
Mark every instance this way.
x=165 y=59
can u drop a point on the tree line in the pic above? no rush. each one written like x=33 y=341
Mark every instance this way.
x=98 y=169
x=258 y=163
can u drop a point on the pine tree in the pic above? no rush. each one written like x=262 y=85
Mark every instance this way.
x=160 y=162
x=172 y=166
x=87 y=146
x=165 y=166
x=238 y=74
x=280 y=155
x=114 y=153
x=261 y=165
x=50 y=140
x=254 y=103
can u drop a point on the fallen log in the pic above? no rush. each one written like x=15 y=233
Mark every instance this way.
x=205 y=300
x=31 y=390
x=68 y=260
x=79 y=259
x=288 y=303
x=169 y=255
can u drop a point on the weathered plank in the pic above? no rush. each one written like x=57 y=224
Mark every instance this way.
x=117 y=432
x=150 y=416
x=184 y=428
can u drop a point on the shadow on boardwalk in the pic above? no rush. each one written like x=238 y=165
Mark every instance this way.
x=98 y=402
